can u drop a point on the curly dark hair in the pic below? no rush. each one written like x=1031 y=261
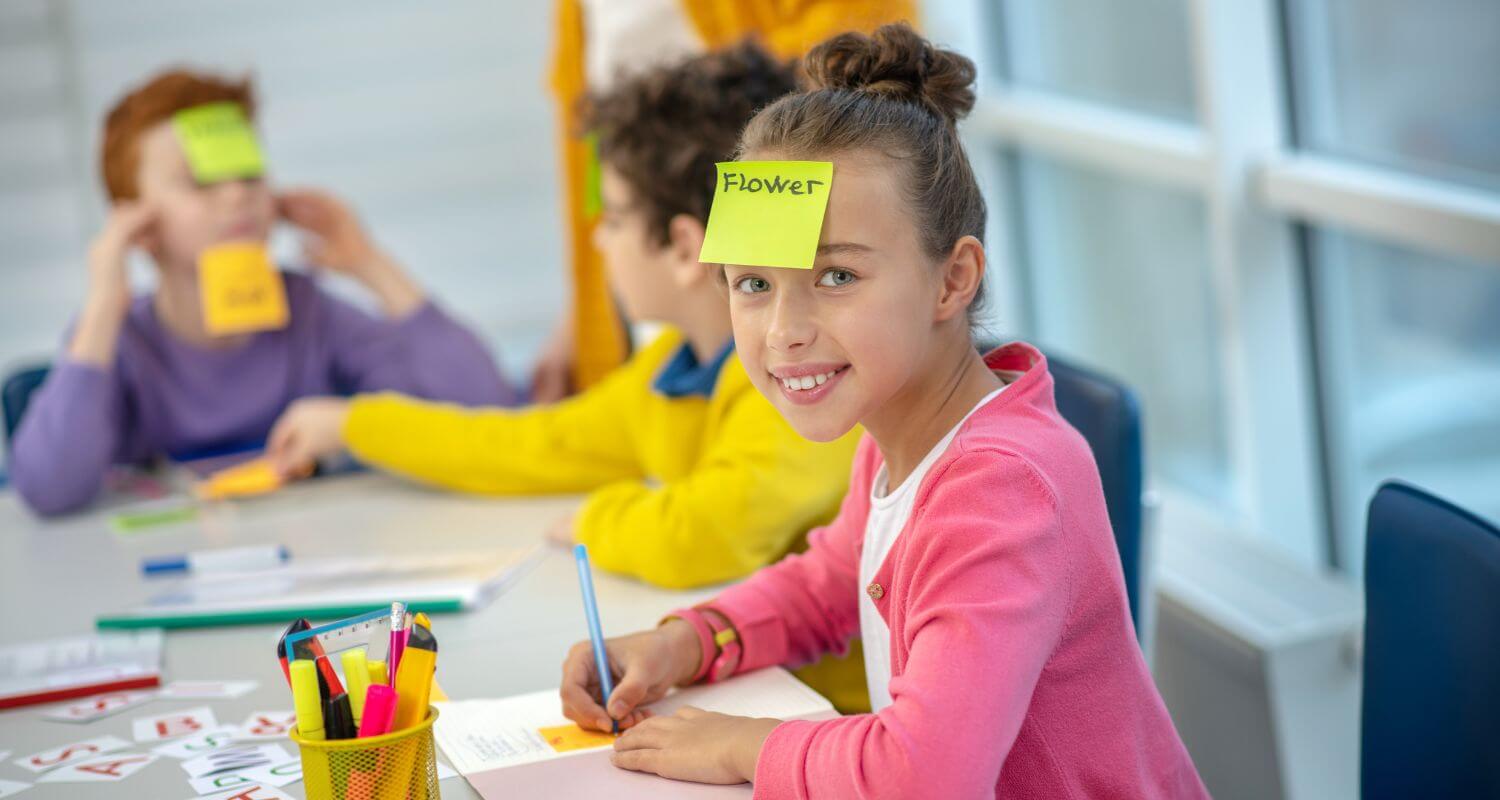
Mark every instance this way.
x=664 y=129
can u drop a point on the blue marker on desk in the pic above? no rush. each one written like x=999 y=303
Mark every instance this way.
x=596 y=634
x=232 y=559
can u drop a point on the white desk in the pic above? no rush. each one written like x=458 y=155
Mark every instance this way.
x=56 y=576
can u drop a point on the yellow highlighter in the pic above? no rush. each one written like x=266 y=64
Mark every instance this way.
x=438 y=695
x=306 y=700
x=356 y=680
x=414 y=678
x=377 y=672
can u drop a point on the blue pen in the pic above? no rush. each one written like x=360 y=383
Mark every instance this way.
x=232 y=559
x=591 y=611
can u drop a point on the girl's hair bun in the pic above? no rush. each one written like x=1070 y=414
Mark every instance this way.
x=897 y=62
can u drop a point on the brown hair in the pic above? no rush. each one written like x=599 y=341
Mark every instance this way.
x=895 y=93
x=664 y=130
x=155 y=102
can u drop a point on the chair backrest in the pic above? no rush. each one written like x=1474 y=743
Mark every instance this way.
x=1105 y=411
x=1430 y=721
x=15 y=395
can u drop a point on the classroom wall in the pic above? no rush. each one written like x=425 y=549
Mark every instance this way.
x=436 y=126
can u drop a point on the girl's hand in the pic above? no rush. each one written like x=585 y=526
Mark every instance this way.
x=645 y=665
x=695 y=745
x=308 y=430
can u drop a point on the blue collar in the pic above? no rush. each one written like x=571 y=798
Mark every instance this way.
x=684 y=376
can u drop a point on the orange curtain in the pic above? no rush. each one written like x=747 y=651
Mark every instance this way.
x=787 y=27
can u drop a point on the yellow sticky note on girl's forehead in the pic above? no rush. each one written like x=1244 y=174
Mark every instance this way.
x=219 y=142
x=767 y=213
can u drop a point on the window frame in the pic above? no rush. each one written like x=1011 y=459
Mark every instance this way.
x=1260 y=194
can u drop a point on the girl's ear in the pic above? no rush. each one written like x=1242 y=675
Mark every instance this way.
x=684 y=242
x=963 y=273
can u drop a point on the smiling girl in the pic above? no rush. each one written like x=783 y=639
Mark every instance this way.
x=972 y=552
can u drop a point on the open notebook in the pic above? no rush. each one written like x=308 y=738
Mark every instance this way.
x=329 y=588
x=523 y=746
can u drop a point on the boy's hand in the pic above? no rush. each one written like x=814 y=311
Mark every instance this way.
x=695 y=745
x=308 y=430
x=97 y=333
x=552 y=376
x=645 y=664
x=129 y=225
x=564 y=530
x=338 y=242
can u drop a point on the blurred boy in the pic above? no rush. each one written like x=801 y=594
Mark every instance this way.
x=145 y=377
x=692 y=477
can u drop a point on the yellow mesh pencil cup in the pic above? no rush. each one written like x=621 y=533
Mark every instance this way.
x=395 y=766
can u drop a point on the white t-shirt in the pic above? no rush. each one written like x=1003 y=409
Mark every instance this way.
x=889 y=511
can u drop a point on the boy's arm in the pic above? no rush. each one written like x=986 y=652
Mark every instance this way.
x=755 y=490
x=805 y=605
x=68 y=437
x=574 y=446
x=424 y=353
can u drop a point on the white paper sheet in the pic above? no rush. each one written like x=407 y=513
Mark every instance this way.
x=104 y=660
x=480 y=735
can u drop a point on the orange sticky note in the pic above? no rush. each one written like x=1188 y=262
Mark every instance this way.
x=240 y=289
x=563 y=738
x=242 y=480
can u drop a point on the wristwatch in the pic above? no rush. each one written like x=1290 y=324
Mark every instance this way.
x=718 y=641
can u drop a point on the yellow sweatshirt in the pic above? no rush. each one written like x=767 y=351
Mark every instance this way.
x=683 y=491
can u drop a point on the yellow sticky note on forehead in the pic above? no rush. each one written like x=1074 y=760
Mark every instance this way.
x=767 y=213
x=240 y=289
x=219 y=142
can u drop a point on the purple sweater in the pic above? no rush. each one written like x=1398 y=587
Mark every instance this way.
x=164 y=397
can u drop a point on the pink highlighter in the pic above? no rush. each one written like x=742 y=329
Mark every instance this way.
x=399 y=633
x=380 y=710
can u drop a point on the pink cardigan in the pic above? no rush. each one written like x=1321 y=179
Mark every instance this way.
x=1014 y=665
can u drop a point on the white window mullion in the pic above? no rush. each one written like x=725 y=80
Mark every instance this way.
x=1078 y=131
x=1259 y=293
x=1403 y=209
x=970 y=29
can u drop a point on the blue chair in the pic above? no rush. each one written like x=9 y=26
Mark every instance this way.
x=15 y=395
x=1430 y=725
x=1105 y=411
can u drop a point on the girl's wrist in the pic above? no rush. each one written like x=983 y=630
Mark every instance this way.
x=749 y=742
x=687 y=653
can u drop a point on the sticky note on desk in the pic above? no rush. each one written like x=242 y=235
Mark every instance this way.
x=254 y=477
x=240 y=289
x=767 y=213
x=563 y=738
x=219 y=142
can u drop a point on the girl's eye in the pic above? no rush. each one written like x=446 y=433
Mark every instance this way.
x=752 y=285
x=836 y=277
